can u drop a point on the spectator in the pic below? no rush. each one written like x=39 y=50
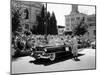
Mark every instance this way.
x=74 y=48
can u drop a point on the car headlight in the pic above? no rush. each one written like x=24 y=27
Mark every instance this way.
x=45 y=49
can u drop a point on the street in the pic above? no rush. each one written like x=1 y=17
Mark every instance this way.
x=28 y=64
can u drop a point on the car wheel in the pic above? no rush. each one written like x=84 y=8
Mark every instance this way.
x=52 y=56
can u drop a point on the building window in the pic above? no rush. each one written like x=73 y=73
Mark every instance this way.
x=67 y=28
x=77 y=18
x=90 y=19
x=92 y=24
x=27 y=13
x=67 y=19
x=72 y=19
x=67 y=25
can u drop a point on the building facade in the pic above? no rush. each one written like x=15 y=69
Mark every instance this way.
x=28 y=10
x=91 y=22
x=74 y=18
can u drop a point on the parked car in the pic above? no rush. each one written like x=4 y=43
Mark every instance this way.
x=84 y=43
x=50 y=50
x=93 y=45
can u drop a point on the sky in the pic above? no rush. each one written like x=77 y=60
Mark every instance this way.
x=61 y=10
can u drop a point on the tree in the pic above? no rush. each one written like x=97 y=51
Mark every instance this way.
x=81 y=29
x=48 y=22
x=53 y=24
x=41 y=19
x=15 y=21
x=34 y=29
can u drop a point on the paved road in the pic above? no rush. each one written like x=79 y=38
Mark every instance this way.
x=29 y=64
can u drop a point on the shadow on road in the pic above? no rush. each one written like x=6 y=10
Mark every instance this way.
x=47 y=62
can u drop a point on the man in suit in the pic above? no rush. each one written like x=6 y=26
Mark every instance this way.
x=75 y=47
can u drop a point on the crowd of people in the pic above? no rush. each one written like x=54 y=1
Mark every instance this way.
x=37 y=40
x=24 y=43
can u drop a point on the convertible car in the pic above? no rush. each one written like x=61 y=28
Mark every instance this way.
x=50 y=51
